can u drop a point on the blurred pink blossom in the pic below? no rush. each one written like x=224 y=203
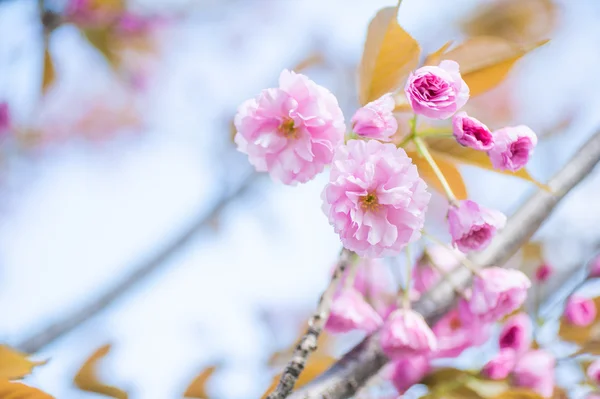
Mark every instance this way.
x=376 y=119
x=593 y=371
x=500 y=366
x=516 y=333
x=425 y=275
x=543 y=272
x=580 y=311
x=350 y=311
x=408 y=371
x=453 y=337
x=513 y=146
x=405 y=333
x=535 y=370
x=471 y=133
x=472 y=226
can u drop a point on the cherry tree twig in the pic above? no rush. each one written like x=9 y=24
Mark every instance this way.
x=51 y=333
x=351 y=372
x=308 y=343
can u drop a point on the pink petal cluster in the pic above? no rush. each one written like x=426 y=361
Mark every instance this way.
x=437 y=91
x=408 y=371
x=513 y=146
x=405 y=333
x=425 y=275
x=516 y=333
x=470 y=132
x=543 y=272
x=5 y=123
x=594 y=267
x=593 y=372
x=376 y=119
x=472 y=226
x=454 y=337
x=290 y=131
x=535 y=370
x=375 y=199
x=350 y=311
x=496 y=292
x=500 y=366
x=580 y=311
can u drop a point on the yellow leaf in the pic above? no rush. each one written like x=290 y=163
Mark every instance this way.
x=449 y=169
x=14 y=364
x=197 y=388
x=87 y=380
x=313 y=59
x=16 y=390
x=519 y=394
x=435 y=57
x=485 y=61
x=103 y=40
x=315 y=366
x=444 y=375
x=390 y=53
x=451 y=151
x=49 y=74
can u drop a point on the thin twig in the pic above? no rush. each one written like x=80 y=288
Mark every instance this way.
x=51 y=333
x=308 y=343
x=351 y=372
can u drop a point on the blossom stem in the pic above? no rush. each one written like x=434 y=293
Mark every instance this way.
x=406 y=293
x=462 y=259
x=423 y=150
x=413 y=131
x=436 y=131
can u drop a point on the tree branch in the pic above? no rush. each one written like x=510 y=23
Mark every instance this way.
x=366 y=359
x=63 y=326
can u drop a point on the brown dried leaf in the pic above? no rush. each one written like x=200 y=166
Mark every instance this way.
x=197 y=388
x=49 y=73
x=16 y=390
x=485 y=61
x=87 y=379
x=449 y=169
x=14 y=364
x=103 y=40
x=315 y=366
x=390 y=53
x=451 y=151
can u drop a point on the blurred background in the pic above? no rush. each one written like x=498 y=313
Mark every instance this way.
x=124 y=202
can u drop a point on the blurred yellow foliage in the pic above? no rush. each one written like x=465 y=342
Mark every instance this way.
x=86 y=378
x=16 y=390
x=14 y=364
x=197 y=389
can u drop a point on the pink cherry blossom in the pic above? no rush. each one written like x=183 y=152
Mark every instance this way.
x=543 y=272
x=5 y=123
x=425 y=275
x=594 y=267
x=454 y=337
x=500 y=366
x=535 y=370
x=290 y=131
x=350 y=311
x=375 y=199
x=376 y=119
x=408 y=371
x=496 y=293
x=470 y=132
x=405 y=333
x=516 y=334
x=437 y=91
x=593 y=371
x=472 y=226
x=513 y=146
x=580 y=311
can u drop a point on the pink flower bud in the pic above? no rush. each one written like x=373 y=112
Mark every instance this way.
x=408 y=371
x=350 y=311
x=543 y=272
x=594 y=267
x=500 y=367
x=472 y=227
x=375 y=199
x=516 y=333
x=437 y=91
x=4 y=118
x=376 y=119
x=513 y=146
x=290 y=131
x=405 y=333
x=425 y=275
x=580 y=311
x=535 y=370
x=593 y=372
x=470 y=132
x=453 y=337
x=496 y=293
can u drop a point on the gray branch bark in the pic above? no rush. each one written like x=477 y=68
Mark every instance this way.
x=51 y=333
x=366 y=359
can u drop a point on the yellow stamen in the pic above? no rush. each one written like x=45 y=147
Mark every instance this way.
x=287 y=129
x=369 y=202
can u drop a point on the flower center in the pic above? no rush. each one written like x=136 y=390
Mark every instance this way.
x=369 y=202
x=455 y=323
x=287 y=129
